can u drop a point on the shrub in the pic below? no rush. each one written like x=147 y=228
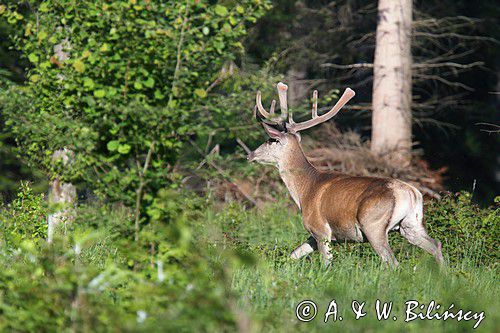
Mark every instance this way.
x=465 y=228
x=121 y=84
x=25 y=218
x=92 y=278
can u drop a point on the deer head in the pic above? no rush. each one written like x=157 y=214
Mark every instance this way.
x=284 y=137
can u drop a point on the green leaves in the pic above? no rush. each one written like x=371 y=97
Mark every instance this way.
x=34 y=78
x=28 y=216
x=220 y=10
x=149 y=83
x=117 y=76
x=104 y=47
x=79 y=66
x=88 y=83
x=124 y=149
x=99 y=93
x=200 y=93
x=33 y=57
x=137 y=85
x=158 y=94
x=42 y=35
x=115 y=145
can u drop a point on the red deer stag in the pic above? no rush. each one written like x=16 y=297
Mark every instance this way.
x=337 y=206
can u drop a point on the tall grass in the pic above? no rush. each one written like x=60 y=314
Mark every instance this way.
x=270 y=286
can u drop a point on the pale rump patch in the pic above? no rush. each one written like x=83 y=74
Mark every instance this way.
x=407 y=201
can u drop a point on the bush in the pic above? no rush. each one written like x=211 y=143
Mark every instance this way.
x=122 y=84
x=25 y=218
x=465 y=229
x=92 y=278
x=198 y=265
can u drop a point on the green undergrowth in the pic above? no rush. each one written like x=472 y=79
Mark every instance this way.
x=271 y=285
x=205 y=267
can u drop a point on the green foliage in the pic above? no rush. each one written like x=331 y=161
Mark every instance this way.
x=25 y=217
x=92 y=278
x=215 y=268
x=118 y=81
x=466 y=229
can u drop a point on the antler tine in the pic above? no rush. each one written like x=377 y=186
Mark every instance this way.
x=258 y=104
x=271 y=110
x=282 y=92
x=315 y=104
x=346 y=96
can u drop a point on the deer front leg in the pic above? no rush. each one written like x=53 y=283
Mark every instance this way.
x=307 y=247
x=325 y=250
x=322 y=233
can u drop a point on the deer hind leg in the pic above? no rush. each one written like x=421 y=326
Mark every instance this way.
x=374 y=223
x=379 y=241
x=412 y=228
x=309 y=246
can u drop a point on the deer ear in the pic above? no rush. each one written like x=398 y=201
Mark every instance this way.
x=272 y=132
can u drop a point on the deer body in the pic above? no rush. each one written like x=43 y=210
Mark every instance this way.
x=337 y=206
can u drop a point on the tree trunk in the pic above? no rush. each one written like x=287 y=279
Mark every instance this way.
x=62 y=196
x=391 y=120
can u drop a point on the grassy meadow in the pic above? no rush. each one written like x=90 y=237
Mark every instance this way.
x=270 y=285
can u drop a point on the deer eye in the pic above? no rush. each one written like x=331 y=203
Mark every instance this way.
x=272 y=140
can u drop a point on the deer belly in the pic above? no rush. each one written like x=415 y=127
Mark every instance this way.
x=351 y=233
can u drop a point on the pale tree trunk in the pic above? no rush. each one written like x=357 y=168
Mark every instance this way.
x=62 y=197
x=391 y=120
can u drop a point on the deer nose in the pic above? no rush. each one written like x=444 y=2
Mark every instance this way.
x=251 y=156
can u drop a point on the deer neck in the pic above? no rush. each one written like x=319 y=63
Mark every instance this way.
x=298 y=174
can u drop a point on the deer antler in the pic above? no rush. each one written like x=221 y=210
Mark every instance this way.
x=296 y=127
x=282 y=92
x=292 y=126
x=270 y=116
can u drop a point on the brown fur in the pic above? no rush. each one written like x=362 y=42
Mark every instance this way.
x=341 y=199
